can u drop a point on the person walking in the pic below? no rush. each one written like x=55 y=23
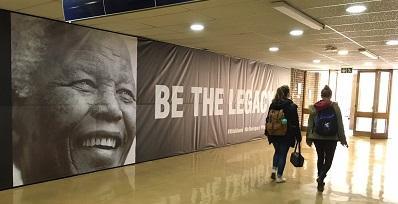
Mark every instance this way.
x=282 y=130
x=325 y=129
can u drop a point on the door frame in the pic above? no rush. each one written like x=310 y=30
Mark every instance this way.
x=303 y=109
x=374 y=115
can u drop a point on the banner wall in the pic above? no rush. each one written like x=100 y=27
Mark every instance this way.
x=190 y=100
x=84 y=100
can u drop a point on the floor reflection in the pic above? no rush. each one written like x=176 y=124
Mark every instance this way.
x=365 y=173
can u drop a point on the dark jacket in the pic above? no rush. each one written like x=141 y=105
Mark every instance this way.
x=293 y=128
x=314 y=109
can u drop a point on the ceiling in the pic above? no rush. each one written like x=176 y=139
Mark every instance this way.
x=247 y=28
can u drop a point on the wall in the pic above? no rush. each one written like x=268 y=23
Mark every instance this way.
x=311 y=88
x=84 y=100
x=311 y=93
x=5 y=101
x=297 y=82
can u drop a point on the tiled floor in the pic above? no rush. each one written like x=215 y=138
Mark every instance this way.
x=364 y=173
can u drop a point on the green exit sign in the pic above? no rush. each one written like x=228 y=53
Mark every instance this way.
x=346 y=70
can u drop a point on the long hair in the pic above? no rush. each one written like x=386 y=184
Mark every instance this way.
x=282 y=93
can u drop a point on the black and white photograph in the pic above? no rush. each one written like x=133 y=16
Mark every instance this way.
x=74 y=99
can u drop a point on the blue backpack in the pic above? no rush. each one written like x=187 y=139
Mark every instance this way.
x=326 y=122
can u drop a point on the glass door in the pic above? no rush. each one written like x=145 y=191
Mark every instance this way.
x=372 y=108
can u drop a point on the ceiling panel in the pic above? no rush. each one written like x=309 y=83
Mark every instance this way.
x=236 y=10
x=338 y=10
x=149 y=32
x=15 y=5
x=247 y=28
x=358 y=27
x=174 y=19
x=123 y=26
x=364 y=18
x=213 y=3
x=51 y=8
x=326 y=4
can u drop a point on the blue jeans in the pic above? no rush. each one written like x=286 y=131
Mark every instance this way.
x=281 y=149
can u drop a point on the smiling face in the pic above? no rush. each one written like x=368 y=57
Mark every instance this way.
x=82 y=115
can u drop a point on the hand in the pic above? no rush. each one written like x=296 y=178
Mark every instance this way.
x=309 y=142
x=344 y=143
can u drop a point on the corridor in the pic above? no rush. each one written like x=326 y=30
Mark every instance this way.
x=365 y=173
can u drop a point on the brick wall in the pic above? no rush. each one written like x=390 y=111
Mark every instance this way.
x=297 y=89
x=311 y=88
x=311 y=93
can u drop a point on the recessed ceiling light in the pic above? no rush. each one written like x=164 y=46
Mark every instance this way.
x=316 y=61
x=342 y=52
x=356 y=9
x=273 y=49
x=296 y=32
x=392 y=42
x=368 y=64
x=197 y=27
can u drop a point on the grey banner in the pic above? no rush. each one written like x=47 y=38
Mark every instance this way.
x=219 y=100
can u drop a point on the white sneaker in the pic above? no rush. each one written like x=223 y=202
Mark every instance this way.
x=279 y=179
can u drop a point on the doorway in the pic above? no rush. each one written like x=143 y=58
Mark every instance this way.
x=372 y=107
x=341 y=85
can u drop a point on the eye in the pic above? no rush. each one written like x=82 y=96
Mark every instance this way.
x=126 y=95
x=85 y=85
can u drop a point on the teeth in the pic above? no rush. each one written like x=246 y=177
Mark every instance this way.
x=91 y=142
x=103 y=142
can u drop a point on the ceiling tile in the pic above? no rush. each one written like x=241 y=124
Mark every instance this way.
x=53 y=10
x=246 y=28
x=15 y=5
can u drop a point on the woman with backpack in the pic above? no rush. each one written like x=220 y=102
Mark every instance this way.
x=282 y=130
x=325 y=128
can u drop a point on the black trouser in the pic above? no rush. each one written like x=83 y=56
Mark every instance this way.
x=325 y=150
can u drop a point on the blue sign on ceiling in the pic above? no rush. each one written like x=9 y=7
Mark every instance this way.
x=83 y=9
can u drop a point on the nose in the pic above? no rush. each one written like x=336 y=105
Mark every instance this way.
x=107 y=107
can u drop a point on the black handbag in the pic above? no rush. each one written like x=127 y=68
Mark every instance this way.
x=296 y=158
